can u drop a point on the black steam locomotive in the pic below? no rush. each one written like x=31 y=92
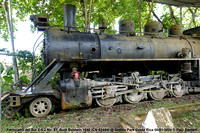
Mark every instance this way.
x=110 y=68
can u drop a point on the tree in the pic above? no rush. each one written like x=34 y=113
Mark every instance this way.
x=172 y=15
x=193 y=16
x=8 y=12
x=93 y=11
x=108 y=10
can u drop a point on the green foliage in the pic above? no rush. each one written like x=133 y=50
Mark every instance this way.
x=25 y=79
x=2 y=67
x=187 y=16
x=3 y=24
x=39 y=65
x=9 y=71
x=191 y=120
x=2 y=49
x=27 y=113
x=109 y=10
x=54 y=79
x=8 y=78
x=25 y=65
x=25 y=60
x=157 y=72
x=25 y=56
x=18 y=116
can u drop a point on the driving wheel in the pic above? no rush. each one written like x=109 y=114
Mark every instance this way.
x=157 y=94
x=177 y=90
x=106 y=102
x=133 y=97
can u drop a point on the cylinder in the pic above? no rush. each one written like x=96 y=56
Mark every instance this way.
x=127 y=26
x=175 y=30
x=69 y=15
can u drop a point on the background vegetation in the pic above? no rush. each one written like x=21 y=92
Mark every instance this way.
x=25 y=64
x=107 y=10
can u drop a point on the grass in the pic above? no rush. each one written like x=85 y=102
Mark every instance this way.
x=157 y=104
x=188 y=121
x=33 y=124
x=163 y=103
x=97 y=117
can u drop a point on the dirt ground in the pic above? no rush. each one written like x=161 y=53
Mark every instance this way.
x=100 y=119
x=108 y=117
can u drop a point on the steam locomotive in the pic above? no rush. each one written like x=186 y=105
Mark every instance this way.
x=110 y=68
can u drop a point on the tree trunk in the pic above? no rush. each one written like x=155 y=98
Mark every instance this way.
x=193 y=17
x=140 y=15
x=150 y=10
x=172 y=15
x=83 y=8
x=90 y=13
x=86 y=22
x=8 y=11
x=154 y=14
x=82 y=3
x=181 y=17
x=0 y=96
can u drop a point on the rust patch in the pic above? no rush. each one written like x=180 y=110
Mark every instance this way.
x=63 y=102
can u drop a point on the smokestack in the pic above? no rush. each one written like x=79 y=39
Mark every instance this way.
x=69 y=16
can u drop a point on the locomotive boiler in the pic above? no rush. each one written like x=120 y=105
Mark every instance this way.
x=110 y=68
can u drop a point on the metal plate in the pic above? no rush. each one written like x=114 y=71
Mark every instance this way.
x=15 y=101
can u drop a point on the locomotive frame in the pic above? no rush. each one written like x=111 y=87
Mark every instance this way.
x=84 y=62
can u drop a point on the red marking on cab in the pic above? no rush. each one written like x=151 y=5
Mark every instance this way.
x=76 y=75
